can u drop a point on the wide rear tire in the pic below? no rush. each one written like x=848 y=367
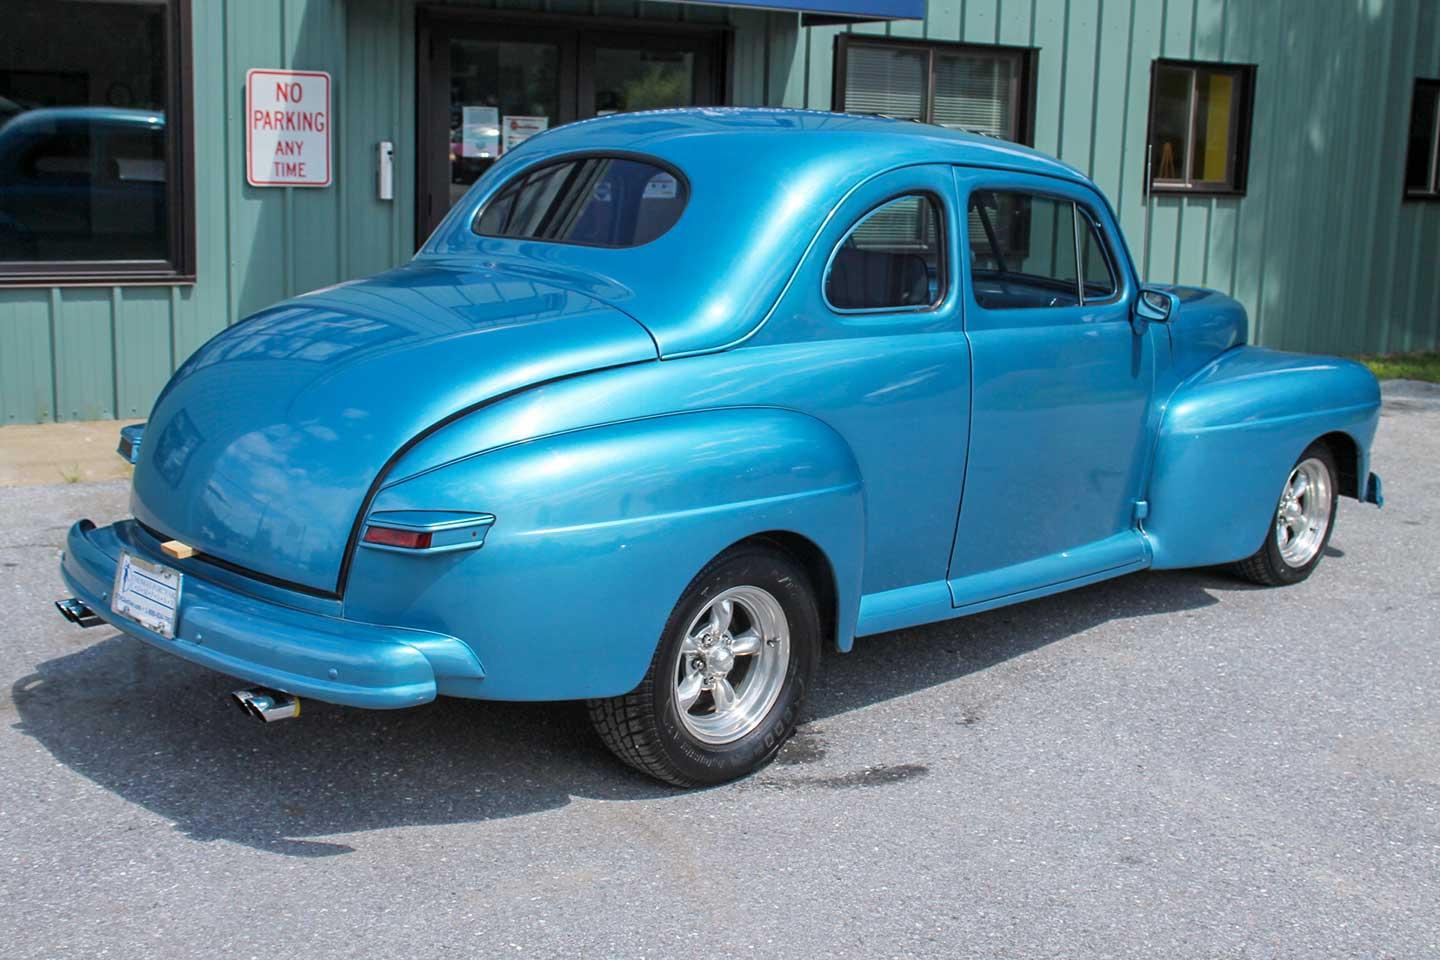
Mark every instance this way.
x=725 y=686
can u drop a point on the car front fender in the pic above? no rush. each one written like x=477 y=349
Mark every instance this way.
x=598 y=531
x=1230 y=435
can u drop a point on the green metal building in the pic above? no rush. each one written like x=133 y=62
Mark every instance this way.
x=1288 y=151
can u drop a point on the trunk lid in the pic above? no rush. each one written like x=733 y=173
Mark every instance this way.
x=262 y=449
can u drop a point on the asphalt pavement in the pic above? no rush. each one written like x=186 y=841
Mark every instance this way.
x=1168 y=765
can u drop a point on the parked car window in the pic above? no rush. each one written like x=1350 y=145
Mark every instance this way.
x=1422 y=159
x=1200 y=126
x=892 y=259
x=965 y=87
x=1031 y=251
x=1096 y=265
x=91 y=121
x=62 y=155
x=596 y=201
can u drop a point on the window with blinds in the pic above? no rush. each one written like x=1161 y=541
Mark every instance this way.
x=886 y=80
x=981 y=89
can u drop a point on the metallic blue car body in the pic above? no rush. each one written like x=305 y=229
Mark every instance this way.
x=606 y=421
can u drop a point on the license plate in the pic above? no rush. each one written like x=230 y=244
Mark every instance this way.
x=147 y=593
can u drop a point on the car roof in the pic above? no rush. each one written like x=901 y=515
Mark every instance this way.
x=46 y=118
x=762 y=183
x=813 y=133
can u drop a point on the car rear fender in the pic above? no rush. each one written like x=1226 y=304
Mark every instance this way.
x=597 y=532
x=1229 y=437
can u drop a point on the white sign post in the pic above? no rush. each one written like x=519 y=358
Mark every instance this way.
x=287 y=128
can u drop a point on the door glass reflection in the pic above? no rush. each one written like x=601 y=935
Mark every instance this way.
x=501 y=92
x=628 y=80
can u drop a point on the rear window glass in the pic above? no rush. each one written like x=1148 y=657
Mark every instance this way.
x=597 y=201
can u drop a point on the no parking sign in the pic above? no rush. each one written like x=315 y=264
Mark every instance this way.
x=287 y=128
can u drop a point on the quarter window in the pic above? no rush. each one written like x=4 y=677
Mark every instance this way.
x=983 y=89
x=891 y=260
x=1031 y=251
x=595 y=201
x=93 y=135
x=1095 y=265
x=1200 y=126
x=1422 y=158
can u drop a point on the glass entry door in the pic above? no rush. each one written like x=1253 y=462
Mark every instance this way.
x=491 y=80
x=485 y=87
x=626 y=73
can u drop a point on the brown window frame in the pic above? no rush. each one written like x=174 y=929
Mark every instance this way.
x=1240 y=124
x=179 y=268
x=1432 y=194
x=1027 y=58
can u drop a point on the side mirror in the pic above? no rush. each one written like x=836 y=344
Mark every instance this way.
x=1156 y=306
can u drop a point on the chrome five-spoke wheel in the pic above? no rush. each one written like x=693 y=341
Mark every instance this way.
x=729 y=674
x=1303 y=520
x=1303 y=517
x=731 y=664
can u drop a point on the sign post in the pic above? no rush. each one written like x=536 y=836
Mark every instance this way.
x=287 y=128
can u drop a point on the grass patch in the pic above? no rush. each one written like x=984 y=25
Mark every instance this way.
x=1422 y=365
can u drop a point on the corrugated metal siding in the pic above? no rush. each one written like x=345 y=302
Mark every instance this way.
x=1321 y=250
x=98 y=352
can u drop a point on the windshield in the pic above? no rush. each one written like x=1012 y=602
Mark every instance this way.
x=594 y=200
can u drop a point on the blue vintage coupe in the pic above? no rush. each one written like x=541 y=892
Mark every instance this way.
x=672 y=399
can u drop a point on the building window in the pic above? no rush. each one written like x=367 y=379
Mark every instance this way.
x=1422 y=159
x=979 y=88
x=95 y=141
x=1200 y=126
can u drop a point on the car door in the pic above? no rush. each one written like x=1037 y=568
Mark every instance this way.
x=868 y=339
x=1061 y=390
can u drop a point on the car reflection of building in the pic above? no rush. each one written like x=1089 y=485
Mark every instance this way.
x=83 y=182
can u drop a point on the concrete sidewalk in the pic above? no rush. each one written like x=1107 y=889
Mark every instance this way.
x=79 y=452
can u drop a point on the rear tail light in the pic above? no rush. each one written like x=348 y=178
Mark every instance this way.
x=428 y=531
x=395 y=537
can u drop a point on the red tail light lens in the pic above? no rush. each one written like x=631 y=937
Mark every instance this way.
x=393 y=537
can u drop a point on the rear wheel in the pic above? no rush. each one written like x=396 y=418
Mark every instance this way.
x=726 y=683
x=1304 y=520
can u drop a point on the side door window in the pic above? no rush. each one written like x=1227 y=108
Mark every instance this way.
x=892 y=259
x=1030 y=250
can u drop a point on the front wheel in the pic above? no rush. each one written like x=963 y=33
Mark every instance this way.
x=1304 y=520
x=726 y=683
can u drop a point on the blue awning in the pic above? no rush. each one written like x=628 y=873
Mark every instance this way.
x=822 y=11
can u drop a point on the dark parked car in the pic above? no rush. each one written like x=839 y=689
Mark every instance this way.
x=83 y=183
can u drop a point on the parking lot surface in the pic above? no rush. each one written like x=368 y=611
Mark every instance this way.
x=1166 y=765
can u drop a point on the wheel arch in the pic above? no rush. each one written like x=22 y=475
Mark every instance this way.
x=812 y=559
x=1349 y=461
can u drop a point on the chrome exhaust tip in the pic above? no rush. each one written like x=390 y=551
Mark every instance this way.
x=77 y=613
x=265 y=704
